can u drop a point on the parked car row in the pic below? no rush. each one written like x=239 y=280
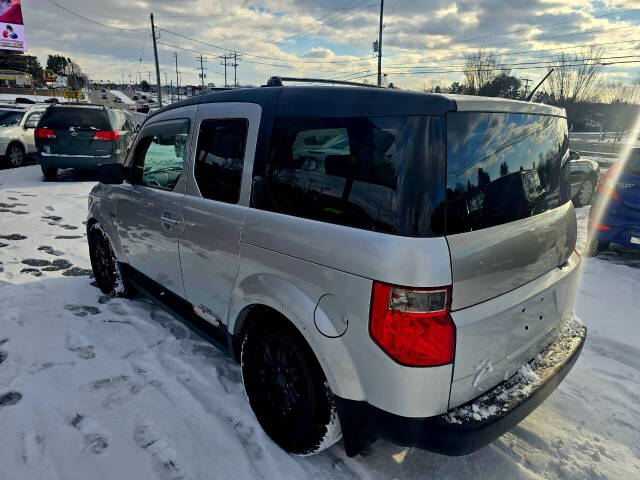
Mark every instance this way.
x=64 y=135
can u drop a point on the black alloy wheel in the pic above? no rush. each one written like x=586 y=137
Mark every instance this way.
x=103 y=260
x=287 y=389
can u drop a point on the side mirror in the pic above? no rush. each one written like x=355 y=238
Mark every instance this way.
x=111 y=173
x=573 y=155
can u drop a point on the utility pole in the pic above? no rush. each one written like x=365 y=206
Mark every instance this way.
x=526 y=86
x=202 y=72
x=235 y=69
x=155 y=54
x=177 y=76
x=224 y=62
x=380 y=44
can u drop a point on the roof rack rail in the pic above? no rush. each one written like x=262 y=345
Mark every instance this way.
x=277 y=81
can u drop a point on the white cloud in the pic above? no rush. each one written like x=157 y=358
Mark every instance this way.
x=432 y=33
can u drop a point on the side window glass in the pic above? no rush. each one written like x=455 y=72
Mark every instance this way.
x=159 y=158
x=32 y=120
x=220 y=158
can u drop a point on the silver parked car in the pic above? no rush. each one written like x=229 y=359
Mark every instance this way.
x=17 y=125
x=413 y=282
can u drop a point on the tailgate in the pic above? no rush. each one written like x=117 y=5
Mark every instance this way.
x=511 y=230
x=495 y=338
x=77 y=142
x=628 y=188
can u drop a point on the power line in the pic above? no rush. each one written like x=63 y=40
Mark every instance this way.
x=314 y=24
x=250 y=54
x=516 y=31
x=346 y=13
x=62 y=7
x=551 y=65
x=452 y=68
x=262 y=12
x=508 y=54
x=466 y=47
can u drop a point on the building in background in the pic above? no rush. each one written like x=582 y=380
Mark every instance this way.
x=15 y=78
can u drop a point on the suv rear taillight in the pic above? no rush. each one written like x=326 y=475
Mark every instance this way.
x=413 y=325
x=106 y=135
x=44 y=133
x=606 y=184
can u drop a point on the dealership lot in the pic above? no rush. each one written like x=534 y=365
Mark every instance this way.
x=95 y=384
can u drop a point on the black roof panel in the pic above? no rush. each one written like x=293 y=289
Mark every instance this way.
x=328 y=101
x=338 y=101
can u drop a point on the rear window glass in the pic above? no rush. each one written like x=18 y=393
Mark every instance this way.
x=10 y=118
x=66 y=117
x=503 y=167
x=383 y=174
x=632 y=166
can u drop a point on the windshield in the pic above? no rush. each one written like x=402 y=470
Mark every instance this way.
x=502 y=167
x=9 y=118
x=66 y=118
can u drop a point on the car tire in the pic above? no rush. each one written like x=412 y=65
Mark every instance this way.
x=106 y=269
x=287 y=389
x=586 y=192
x=595 y=247
x=15 y=155
x=50 y=173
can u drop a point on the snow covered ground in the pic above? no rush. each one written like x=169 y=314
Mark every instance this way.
x=11 y=98
x=122 y=96
x=100 y=388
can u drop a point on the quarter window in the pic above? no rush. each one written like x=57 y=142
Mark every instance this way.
x=220 y=157
x=32 y=120
x=160 y=155
x=383 y=174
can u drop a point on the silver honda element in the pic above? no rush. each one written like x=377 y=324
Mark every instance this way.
x=384 y=264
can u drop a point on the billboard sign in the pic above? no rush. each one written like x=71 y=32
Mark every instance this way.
x=11 y=26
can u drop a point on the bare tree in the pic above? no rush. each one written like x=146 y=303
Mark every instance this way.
x=480 y=69
x=621 y=92
x=576 y=77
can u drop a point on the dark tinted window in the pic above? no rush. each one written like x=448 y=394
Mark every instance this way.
x=219 y=158
x=383 y=174
x=10 y=118
x=61 y=118
x=503 y=167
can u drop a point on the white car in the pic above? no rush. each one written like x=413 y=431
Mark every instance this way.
x=17 y=126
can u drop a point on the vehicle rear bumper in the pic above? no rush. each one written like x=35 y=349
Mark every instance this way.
x=473 y=425
x=628 y=235
x=51 y=160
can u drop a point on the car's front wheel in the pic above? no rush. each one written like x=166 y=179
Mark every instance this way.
x=15 y=155
x=287 y=389
x=105 y=265
x=50 y=173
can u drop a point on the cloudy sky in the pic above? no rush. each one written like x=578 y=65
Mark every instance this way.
x=424 y=40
